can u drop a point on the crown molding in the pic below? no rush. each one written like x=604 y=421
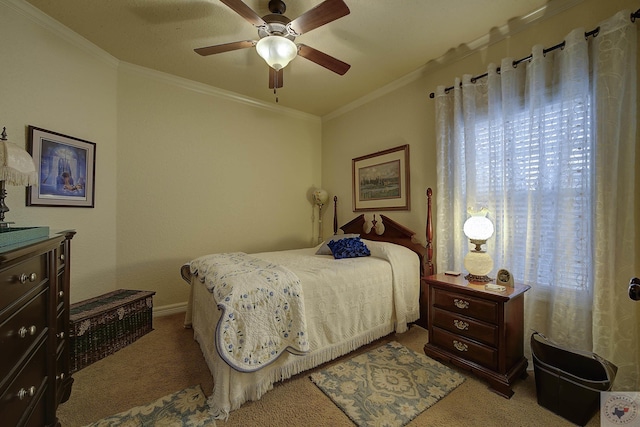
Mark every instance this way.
x=513 y=27
x=205 y=89
x=38 y=17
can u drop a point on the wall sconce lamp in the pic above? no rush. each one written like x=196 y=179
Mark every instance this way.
x=16 y=168
x=320 y=197
x=478 y=228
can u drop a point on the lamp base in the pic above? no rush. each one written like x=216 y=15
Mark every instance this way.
x=481 y=279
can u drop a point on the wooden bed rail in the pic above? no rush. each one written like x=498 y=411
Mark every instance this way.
x=387 y=230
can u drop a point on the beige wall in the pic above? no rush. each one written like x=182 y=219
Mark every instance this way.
x=51 y=81
x=405 y=114
x=199 y=174
x=181 y=169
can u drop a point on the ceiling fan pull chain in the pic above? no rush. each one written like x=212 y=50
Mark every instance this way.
x=275 y=86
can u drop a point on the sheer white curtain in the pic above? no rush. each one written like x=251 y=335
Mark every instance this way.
x=548 y=146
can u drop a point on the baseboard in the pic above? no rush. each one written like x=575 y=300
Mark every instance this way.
x=167 y=310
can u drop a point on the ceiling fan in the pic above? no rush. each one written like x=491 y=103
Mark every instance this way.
x=277 y=34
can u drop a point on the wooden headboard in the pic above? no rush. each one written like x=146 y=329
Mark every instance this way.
x=393 y=233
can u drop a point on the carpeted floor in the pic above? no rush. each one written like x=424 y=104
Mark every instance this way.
x=168 y=360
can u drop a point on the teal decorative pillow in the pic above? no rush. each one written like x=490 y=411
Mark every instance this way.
x=348 y=248
x=324 y=249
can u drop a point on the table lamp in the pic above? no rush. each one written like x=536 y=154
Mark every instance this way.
x=478 y=228
x=16 y=168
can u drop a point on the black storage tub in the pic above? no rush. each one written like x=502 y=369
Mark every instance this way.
x=568 y=382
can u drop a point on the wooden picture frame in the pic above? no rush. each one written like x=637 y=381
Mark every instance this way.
x=66 y=170
x=381 y=181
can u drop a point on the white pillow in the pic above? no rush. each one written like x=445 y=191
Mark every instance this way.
x=324 y=249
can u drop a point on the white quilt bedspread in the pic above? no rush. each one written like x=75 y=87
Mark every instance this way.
x=348 y=303
x=262 y=308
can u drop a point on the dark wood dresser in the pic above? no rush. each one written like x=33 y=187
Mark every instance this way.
x=34 y=325
x=478 y=330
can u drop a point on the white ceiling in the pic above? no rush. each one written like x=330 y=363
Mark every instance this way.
x=382 y=40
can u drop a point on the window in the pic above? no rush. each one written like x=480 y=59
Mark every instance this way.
x=545 y=168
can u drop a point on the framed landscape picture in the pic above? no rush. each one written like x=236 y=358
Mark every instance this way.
x=66 y=170
x=381 y=180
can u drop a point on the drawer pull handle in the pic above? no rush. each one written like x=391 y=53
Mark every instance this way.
x=60 y=377
x=60 y=335
x=460 y=303
x=24 y=331
x=460 y=324
x=61 y=257
x=60 y=294
x=460 y=346
x=30 y=277
x=22 y=393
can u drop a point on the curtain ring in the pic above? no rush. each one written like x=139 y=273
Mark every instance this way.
x=593 y=33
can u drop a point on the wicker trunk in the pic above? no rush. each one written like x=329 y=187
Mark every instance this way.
x=102 y=325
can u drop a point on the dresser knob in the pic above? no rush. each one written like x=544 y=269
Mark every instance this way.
x=30 y=277
x=60 y=377
x=60 y=335
x=460 y=346
x=460 y=303
x=24 y=331
x=60 y=294
x=460 y=324
x=61 y=257
x=22 y=393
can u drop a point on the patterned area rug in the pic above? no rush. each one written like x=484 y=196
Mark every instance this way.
x=187 y=407
x=387 y=386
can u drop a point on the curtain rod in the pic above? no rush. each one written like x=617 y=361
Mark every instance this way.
x=588 y=34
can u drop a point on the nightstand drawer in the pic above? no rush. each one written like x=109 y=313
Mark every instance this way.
x=466 y=305
x=467 y=349
x=457 y=324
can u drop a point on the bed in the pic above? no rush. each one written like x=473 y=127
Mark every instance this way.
x=262 y=318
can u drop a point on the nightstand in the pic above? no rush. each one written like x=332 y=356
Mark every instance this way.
x=478 y=330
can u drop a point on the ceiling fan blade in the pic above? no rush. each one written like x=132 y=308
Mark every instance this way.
x=245 y=11
x=275 y=78
x=322 y=59
x=226 y=47
x=325 y=12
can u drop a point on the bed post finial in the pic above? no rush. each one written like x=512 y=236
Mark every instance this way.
x=430 y=269
x=335 y=215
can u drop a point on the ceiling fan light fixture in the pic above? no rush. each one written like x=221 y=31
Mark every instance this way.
x=277 y=51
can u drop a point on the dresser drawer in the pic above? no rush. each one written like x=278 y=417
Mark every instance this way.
x=469 y=327
x=466 y=305
x=465 y=348
x=38 y=416
x=25 y=389
x=21 y=278
x=19 y=332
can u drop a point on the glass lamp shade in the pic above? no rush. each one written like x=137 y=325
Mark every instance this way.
x=478 y=227
x=277 y=51
x=320 y=197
